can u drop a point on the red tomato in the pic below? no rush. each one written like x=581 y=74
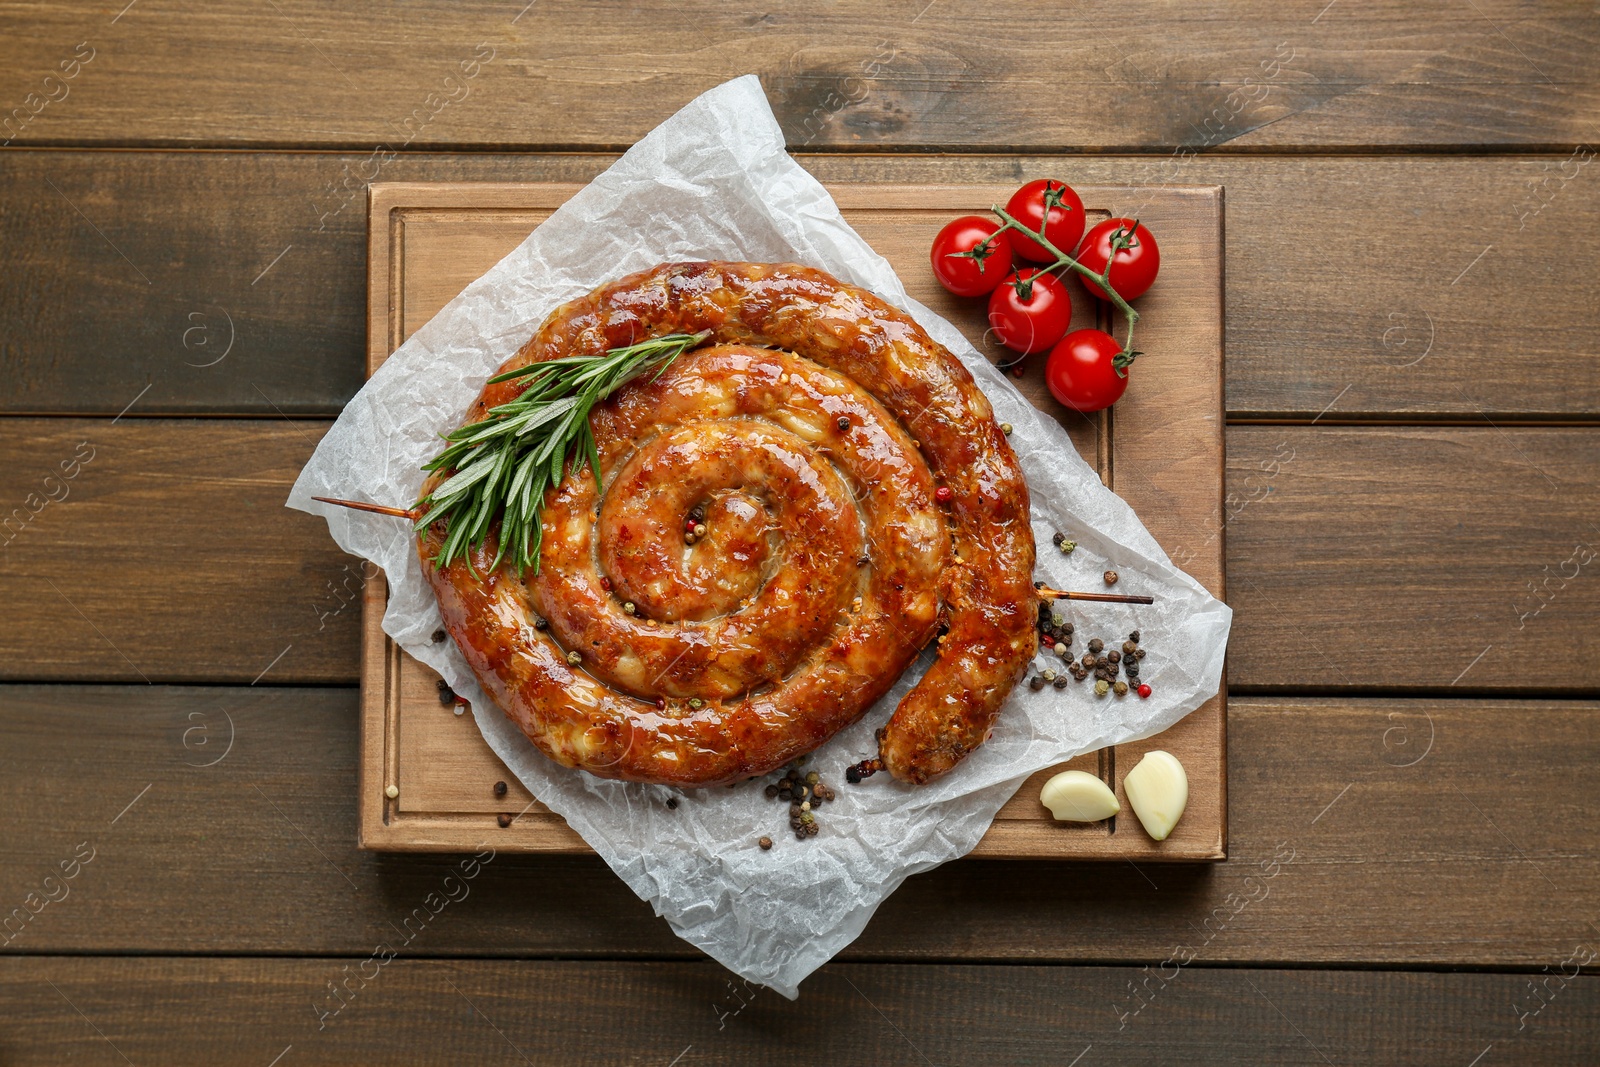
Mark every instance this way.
x=1080 y=371
x=1135 y=269
x=960 y=269
x=1027 y=206
x=1032 y=324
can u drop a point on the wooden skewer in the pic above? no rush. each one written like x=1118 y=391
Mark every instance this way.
x=1048 y=594
x=380 y=509
x=1103 y=598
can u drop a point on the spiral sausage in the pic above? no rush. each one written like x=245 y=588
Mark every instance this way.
x=813 y=435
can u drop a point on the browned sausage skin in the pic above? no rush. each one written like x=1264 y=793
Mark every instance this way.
x=826 y=565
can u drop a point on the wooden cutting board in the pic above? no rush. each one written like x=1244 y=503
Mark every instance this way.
x=1161 y=449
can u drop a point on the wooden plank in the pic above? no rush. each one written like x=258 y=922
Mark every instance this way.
x=1330 y=559
x=1318 y=323
x=856 y=75
x=427 y=241
x=1414 y=558
x=1436 y=864
x=157 y=550
x=249 y=1010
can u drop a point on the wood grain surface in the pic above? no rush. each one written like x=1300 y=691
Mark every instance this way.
x=1362 y=559
x=427 y=241
x=145 y=267
x=1411 y=288
x=855 y=75
x=247 y=1011
x=1417 y=833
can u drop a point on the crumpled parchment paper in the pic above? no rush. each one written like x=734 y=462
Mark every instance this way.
x=714 y=182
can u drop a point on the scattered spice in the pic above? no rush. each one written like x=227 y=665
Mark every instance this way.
x=1120 y=688
x=1096 y=645
x=541 y=623
x=844 y=422
x=1144 y=690
x=700 y=529
x=688 y=538
x=438 y=635
x=391 y=791
x=447 y=695
x=672 y=802
x=503 y=819
x=1067 y=547
x=1005 y=428
x=1061 y=683
x=1101 y=688
x=1111 y=577
x=574 y=657
x=1058 y=538
x=630 y=608
x=1113 y=656
x=765 y=843
x=1036 y=683
x=499 y=789
x=944 y=494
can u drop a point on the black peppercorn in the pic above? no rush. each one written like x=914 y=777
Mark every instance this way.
x=1134 y=637
x=794 y=811
x=852 y=775
x=1113 y=656
x=503 y=819
x=771 y=791
x=447 y=696
x=438 y=635
x=1096 y=646
x=672 y=802
x=1140 y=653
x=844 y=423
x=765 y=843
x=1061 y=683
x=541 y=623
x=1036 y=683
x=499 y=789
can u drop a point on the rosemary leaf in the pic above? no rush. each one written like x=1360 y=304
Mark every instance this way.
x=503 y=465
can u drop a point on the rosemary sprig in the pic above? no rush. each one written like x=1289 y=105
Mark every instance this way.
x=504 y=464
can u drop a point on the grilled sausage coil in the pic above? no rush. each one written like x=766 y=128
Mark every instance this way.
x=812 y=439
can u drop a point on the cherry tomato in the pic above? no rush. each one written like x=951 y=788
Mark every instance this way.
x=1033 y=324
x=1080 y=372
x=1027 y=206
x=971 y=275
x=1136 y=266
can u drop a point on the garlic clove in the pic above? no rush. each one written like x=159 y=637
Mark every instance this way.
x=1158 y=790
x=1077 y=796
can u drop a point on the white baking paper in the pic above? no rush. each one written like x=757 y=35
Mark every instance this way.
x=714 y=182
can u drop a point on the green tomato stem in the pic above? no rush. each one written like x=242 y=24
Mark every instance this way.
x=1063 y=260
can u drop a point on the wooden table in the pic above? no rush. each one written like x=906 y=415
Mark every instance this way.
x=1411 y=533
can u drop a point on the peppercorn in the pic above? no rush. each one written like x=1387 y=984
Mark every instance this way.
x=661 y=703
x=697 y=513
x=944 y=494
x=795 y=810
x=447 y=695
x=1062 y=650
x=1048 y=675
x=1036 y=683
x=844 y=423
x=1088 y=660
x=1061 y=683
x=1067 y=547
x=785 y=783
x=771 y=791
x=1096 y=646
x=1005 y=428
x=696 y=703
x=541 y=623
x=1102 y=687
x=1057 y=539
x=672 y=802
x=700 y=530
x=812 y=778
x=499 y=789
x=1113 y=656
x=688 y=538
x=503 y=819
x=1120 y=688
x=805 y=805
x=1134 y=637
x=438 y=635
x=630 y=608
x=1144 y=690
x=807 y=818
x=1140 y=653
x=811 y=829
x=574 y=657
x=1067 y=626
x=765 y=843
x=801 y=791
x=1111 y=577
